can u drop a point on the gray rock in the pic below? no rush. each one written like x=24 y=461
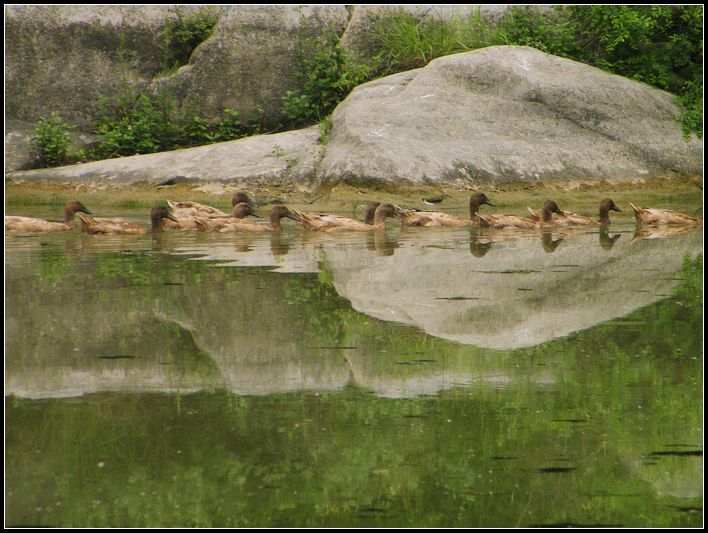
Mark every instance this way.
x=506 y=113
x=250 y=60
x=261 y=159
x=64 y=59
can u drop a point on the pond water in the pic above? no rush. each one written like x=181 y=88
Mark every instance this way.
x=450 y=378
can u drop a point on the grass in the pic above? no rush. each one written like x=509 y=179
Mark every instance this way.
x=680 y=194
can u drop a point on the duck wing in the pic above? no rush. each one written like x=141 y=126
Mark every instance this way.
x=647 y=215
x=192 y=209
x=16 y=223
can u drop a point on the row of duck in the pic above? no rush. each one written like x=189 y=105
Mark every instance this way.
x=196 y=216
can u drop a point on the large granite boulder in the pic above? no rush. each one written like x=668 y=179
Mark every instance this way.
x=291 y=156
x=506 y=113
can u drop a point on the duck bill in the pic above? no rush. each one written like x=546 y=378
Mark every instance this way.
x=489 y=202
x=172 y=218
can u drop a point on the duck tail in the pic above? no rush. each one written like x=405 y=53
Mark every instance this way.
x=201 y=224
x=86 y=221
x=485 y=221
x=534 y=214
x=300 y=215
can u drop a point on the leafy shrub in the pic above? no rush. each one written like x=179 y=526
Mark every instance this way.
x=183 y=32
x=51 y=140
x=142 y=123
x=401 y=40
x=327 y=73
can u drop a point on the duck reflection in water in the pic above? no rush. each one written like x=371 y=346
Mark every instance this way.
x=478 y=246
x=548 y=242
x=381 y=243
x=659 y=232
x=607 y=242
x=278 y=245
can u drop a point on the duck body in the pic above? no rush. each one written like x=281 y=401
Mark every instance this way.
x=411 y=218
x=567 y=219
x=119 y=226
x=573 y=219
x=235 y=224
x=516 y=222
x=191 y=210
x=507 y=221
x=239 y=211
x=651 y=216
x=330 y=223
x=194 y=209
x=38 y=225
x=434 y=218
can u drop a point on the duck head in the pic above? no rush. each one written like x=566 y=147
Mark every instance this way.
x=550 y=207
x=242 y=210
x=72 y=208
x=476 y=200
x=157 y=214
x=278 y=212
x=240 y=197
x=383 y=211
x=607 y=205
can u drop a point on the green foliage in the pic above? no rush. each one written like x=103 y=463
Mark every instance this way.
x=51 y=140
x=140 y=123
x=327 y=73
x=183 y=32
x=401 y=40
x=325 y=127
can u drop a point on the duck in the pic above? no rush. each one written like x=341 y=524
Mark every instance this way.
x=239 y=211
x=516 y=222
x=17 y=223
x=329 y=223
x=435 y=218
x=194 y=209
x=124 y=227
x=573 y=219
x=650 y=216
x=660 y=232
x=236 y=224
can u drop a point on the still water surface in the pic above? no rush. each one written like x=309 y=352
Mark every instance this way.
x=409 y=378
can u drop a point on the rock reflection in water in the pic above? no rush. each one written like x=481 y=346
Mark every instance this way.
x=183 y=325
x=411 y=289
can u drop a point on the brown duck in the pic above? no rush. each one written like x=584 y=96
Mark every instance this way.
x=237 y=224
x=125 y=227
x=194 y=209
x=573 y=219
x=15 y=223
x=513 y=221
x=434 y=218
x=329 y=223
x=239 y=211
x=650 y=216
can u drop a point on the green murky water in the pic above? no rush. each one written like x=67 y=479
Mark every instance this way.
x=412 y=378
